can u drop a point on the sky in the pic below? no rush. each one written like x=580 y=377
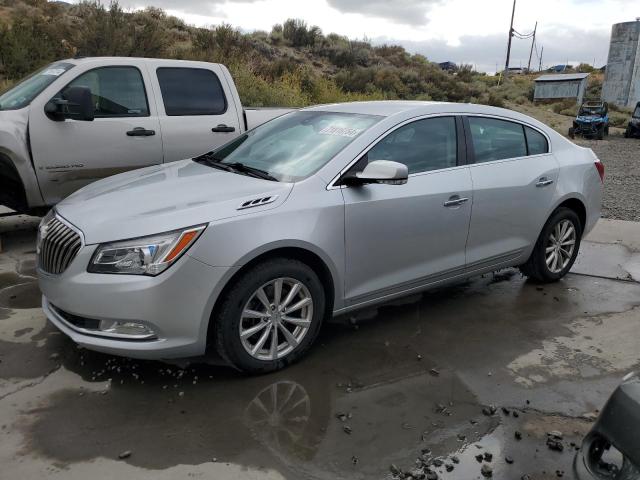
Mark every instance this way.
x=462 y=31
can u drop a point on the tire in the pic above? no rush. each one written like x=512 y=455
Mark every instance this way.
x=627 y=133
x=243 y=296
x=600 y=133
x=572 y=132
x=606 y=131
x=536 y=267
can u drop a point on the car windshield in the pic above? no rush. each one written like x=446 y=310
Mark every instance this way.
x=296 y=145
x=22 y=94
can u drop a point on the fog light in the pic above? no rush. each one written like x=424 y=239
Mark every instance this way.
x=132 y=330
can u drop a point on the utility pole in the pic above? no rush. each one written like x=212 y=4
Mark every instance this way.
x=506 y=65
x=540 y=64
x=533 y=42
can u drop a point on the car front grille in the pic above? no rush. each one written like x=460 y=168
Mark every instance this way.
x=57 y=247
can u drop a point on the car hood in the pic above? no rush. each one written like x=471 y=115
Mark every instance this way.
x=163 y=198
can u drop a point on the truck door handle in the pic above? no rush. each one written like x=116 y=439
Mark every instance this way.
x=543 y=182
x=140 y=132
x=455 y=201
x=223 y=129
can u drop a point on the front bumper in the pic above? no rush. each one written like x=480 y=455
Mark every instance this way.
x=176 y=305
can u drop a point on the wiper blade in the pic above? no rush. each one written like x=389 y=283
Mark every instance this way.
x=256 y=172
x=211 y=160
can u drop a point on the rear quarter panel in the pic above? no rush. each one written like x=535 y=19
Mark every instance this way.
x=578 y=178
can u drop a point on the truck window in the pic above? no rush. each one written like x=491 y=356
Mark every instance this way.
x=191 y=91
x=117 y=91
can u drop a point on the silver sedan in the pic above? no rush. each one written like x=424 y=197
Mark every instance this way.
x=249 y=248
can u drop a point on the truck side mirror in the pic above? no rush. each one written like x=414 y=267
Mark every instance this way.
x=75 y=103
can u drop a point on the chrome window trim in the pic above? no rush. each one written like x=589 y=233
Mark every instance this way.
x=333 y=186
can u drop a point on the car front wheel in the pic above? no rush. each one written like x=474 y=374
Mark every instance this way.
x=556 y=249
x=270 y=316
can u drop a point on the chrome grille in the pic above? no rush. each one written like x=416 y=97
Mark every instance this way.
x=58 y=245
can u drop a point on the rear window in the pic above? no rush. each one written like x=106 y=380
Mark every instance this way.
x=495 y=139
x=191 y=91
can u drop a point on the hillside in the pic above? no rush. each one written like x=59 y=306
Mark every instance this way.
x=292 y=65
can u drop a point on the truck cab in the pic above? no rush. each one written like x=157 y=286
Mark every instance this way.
x=79 y=120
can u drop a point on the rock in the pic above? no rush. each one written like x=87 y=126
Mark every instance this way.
x=515 y=414
x=393 y=468
x=559 y=473
x=455 y=459
x=347 y=429
x=54 y=356
x=486 y=470
x=125 y=454
x=354 y=460
x=448 y=467
x=525 y=477
x=432 y=475
x=341 y=416
x=555 y=434
x=462 y=437
x=518 y=435
x=419 y=357
x=488 y=456
x=490 y=410
x=508 y=459
x=505 y=410
x=434 y=372
x=479 y=458
x=437 y=462
x=555 y=444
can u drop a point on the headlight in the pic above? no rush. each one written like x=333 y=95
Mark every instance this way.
x=145 y=255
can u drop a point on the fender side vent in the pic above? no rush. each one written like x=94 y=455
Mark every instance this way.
x=257 y=202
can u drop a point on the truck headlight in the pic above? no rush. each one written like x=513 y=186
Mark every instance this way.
x=145 y=255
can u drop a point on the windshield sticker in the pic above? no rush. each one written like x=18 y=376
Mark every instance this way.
x=55 y=72
x=340 y=131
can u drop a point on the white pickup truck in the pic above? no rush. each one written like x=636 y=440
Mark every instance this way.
x=79 y=120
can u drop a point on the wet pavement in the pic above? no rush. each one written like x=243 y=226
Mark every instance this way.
x=459 y=379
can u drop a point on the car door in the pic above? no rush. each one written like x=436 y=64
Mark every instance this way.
x=195 y=111
x=514 y=179
x=125 y=134
x=402 y=236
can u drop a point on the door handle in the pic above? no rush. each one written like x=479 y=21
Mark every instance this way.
x=543 y=182
x=455 y=201
x=140 y=132
x=223 y=129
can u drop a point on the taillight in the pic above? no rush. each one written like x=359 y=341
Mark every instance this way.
x=600 y=168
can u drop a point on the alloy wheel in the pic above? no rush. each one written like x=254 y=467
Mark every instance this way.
x=560 y=246
x=276 y=318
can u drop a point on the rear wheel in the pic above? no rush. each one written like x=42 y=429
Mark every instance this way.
x=600 y=132
x=572 y=132
x=270 y=316
x=556 y=249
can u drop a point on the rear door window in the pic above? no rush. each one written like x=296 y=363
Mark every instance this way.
x=191 y=91
x=536 y=142
x=495 y=139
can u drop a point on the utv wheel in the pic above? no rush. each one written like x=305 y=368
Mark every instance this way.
x=556 y=248
x=270 y=316
x=572 y=132
x=606 y=131
x=627 y=133
x=600 y=133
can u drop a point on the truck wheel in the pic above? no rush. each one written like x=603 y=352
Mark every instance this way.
x=572 y=132
x=556 y=248
x=270 y=316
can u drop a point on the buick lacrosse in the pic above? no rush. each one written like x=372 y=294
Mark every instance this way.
x=247 y=249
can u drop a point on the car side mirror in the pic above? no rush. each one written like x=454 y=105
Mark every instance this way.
x=76 y=103
x=380 y=171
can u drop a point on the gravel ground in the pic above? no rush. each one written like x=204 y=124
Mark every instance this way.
x=621 y=158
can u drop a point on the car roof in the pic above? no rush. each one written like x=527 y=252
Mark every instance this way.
x=388 y=108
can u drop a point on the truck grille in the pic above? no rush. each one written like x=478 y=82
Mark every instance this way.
x=58 y=245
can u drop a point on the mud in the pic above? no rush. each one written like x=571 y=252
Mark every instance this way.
x=400 y=384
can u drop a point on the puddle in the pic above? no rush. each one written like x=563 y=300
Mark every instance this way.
x=21 y=296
